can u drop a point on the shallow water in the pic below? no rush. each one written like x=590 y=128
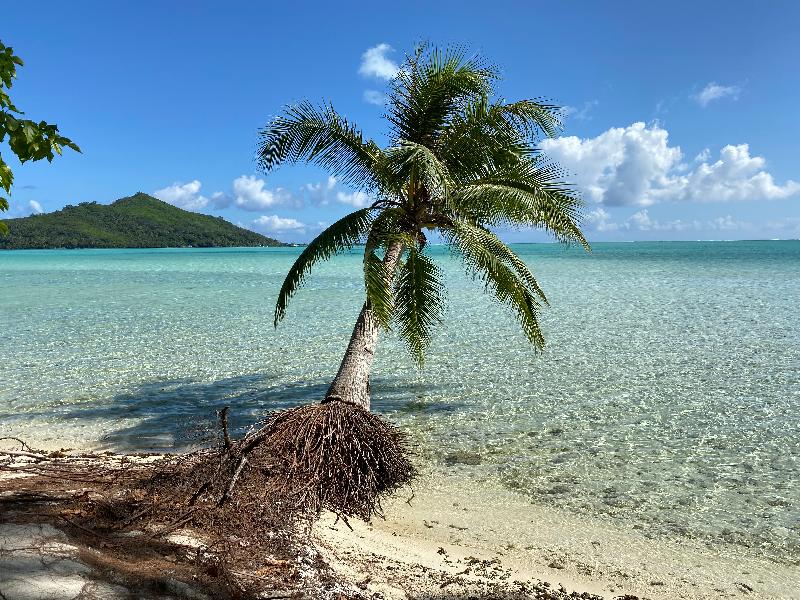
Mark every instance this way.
x=667 y=399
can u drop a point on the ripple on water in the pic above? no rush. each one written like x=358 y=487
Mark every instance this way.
x=667 y=398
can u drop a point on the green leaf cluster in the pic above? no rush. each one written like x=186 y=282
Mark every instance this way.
x=460 y=161
x=28 y=140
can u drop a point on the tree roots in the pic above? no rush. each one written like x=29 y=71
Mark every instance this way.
x=332 y=456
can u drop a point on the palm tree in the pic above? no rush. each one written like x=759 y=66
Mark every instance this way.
x=460 y=162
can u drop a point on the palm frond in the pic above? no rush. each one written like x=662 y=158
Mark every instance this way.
x=385 y=230
x=340 y=236
x=532 y=117
x=486 y=136
x=431 y=88
x=409 y=160
x=379 y=292
x=419 y=298
x=482 y=259
x=530 y=194
x=319 y=135
x=493 y=244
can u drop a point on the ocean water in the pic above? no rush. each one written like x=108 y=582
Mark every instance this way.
x=667 y=399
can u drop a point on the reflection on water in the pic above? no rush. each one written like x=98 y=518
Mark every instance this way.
x=667 y=398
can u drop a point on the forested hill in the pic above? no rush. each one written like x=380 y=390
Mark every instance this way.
x=139 y=221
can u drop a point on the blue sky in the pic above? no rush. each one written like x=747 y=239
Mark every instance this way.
x=682 y=118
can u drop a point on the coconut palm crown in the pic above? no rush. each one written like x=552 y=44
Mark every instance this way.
x=461 y=162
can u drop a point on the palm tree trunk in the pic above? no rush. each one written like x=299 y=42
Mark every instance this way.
x=351 y=383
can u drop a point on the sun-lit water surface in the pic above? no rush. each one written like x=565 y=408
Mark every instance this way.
x=667 y=399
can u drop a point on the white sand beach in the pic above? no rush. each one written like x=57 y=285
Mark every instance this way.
x=449 y=523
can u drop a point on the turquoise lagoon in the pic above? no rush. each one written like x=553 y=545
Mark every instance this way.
x=667 y=399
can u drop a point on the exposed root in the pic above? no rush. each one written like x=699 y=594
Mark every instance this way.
x=332 y=456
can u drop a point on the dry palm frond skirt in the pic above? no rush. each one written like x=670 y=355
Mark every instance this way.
x=332 y=456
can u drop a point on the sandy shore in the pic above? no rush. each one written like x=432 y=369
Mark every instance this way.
x=451 y=530
x=451 y=538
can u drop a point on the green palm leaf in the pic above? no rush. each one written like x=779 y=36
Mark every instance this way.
x=508 y=282
x=410 y=160
x=340 y=236
x=431 y=89
x=419 y=298
x=386 y=229
x=320 y=135
x=460 y=161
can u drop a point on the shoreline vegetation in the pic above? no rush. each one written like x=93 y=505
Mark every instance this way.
x=138 y=221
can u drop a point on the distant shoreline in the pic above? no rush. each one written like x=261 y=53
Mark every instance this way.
x=281 y=245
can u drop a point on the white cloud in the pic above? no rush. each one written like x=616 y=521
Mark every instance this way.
x=318 y=192
x=714 y=91
x=276 y=224
x=374 y=97
x=374 y=63
x=635 y=165
x=600 y=220
x=581 y=114
x=34 y=207
x=727 y=223
x=250 y=193
x=641 y=221
x=704 y=155
x=183 y=195
x=356 y=199
x=734 y=176
x=623 y=165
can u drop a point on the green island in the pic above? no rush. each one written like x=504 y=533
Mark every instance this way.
x=138 y=221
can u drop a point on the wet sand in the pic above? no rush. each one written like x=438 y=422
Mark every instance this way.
x=452 y=529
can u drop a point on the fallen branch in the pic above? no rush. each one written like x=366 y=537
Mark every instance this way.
x=229 y=489
x=24 y=453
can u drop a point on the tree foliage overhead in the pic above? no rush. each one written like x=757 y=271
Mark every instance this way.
x=139 y=221
x=460 y=161
x=29 y=140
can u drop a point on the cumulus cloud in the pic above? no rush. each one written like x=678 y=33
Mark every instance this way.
x=623 y=165
x=34 y=207
x=641 y=221
x=714 y=91
x=636 y=165
x=734 y=176
x=375 y=63
x=703 y=156
x=374 y=97
x=250 y=193
x=356 y=199
x=183 y=195
x=318 y=193
x=276 y=224
x=600 y=220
